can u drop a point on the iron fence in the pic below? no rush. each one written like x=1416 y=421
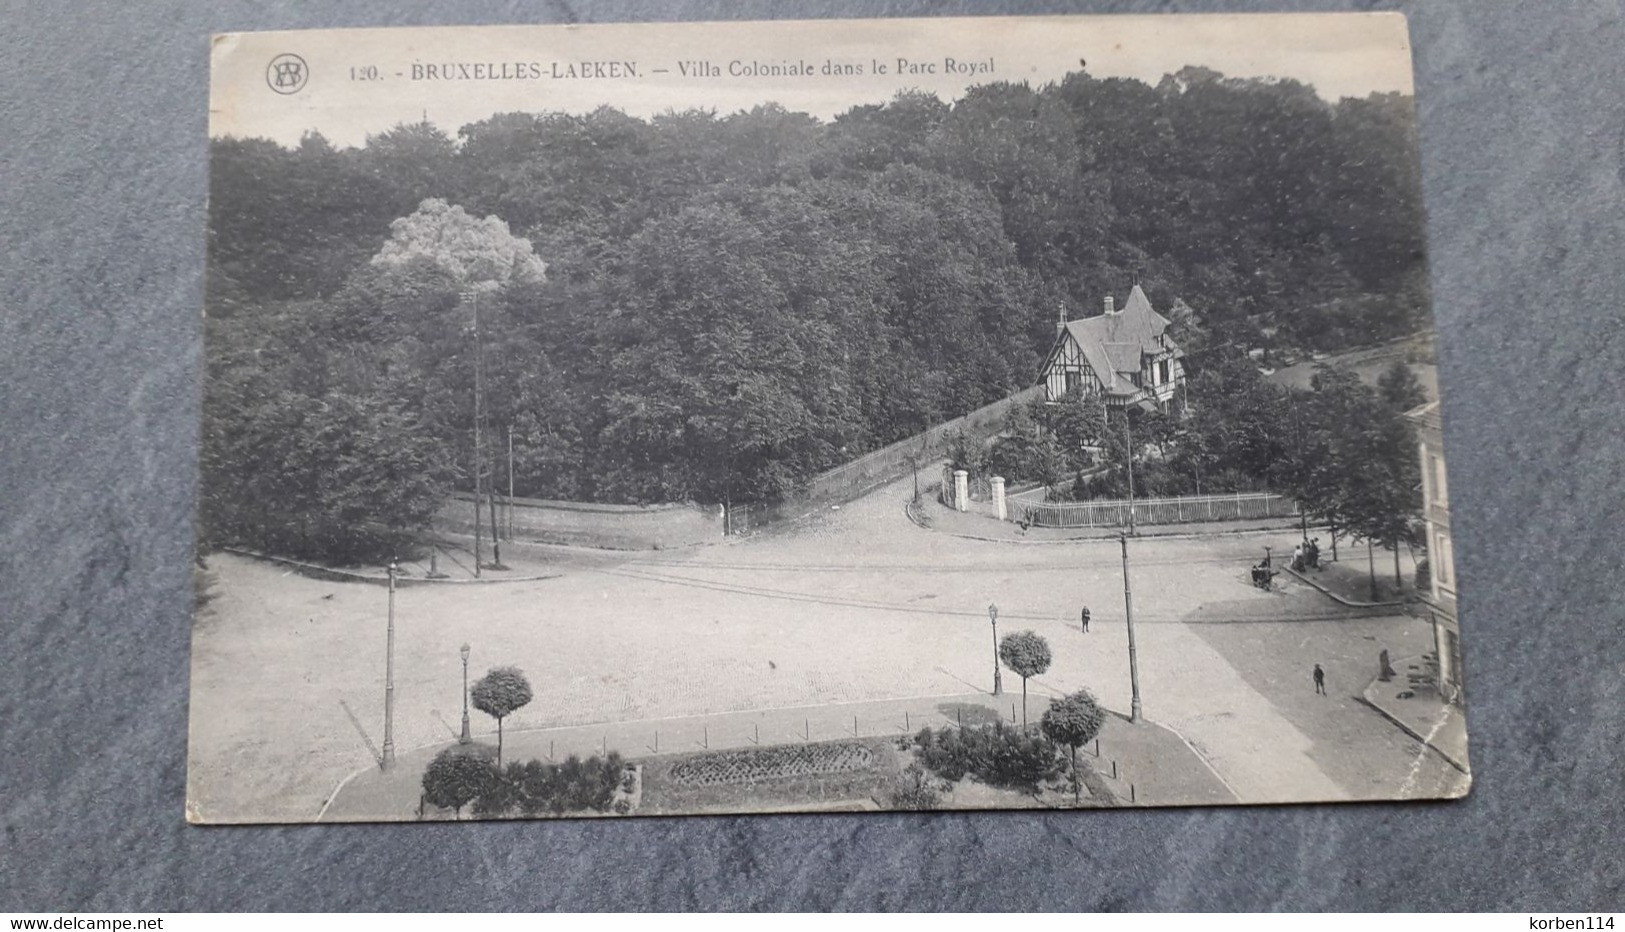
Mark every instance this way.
x=1180 y=510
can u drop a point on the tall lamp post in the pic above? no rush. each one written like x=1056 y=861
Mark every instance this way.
x=465 y=738
x=1128 y=440
x=1133 y=659
x=998 y=683
x=388 y=760
x=471 y=297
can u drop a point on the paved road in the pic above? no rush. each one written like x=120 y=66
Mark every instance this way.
x=858 y=604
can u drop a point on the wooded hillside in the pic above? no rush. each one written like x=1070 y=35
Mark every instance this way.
x=733 y=302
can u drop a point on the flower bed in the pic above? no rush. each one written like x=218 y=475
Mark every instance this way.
x=753 y=764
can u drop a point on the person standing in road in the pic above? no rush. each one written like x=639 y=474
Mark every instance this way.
x=1084 y=618
x=1320 y=680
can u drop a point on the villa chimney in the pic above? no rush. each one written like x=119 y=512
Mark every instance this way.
x=1111 y=305
x=1060 y=321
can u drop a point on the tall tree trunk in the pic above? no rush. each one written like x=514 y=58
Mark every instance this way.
x=499 y=744
x=476 y=521
x=1371 y=561
x=1077 y=779
x=496 y=540
x=1399 y=582
x=1024 y=705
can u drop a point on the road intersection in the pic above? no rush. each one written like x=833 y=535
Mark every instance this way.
x=855 y=605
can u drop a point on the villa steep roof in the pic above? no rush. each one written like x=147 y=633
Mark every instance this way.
x=1114 y=343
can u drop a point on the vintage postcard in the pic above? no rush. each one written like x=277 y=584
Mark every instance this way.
x=915 y=414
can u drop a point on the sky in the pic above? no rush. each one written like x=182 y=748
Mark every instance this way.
x=347 y=84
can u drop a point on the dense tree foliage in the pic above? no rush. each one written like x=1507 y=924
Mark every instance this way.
x=456 y=777
x=533 y=788
x=732 y=303
x=1400 y=388
x=1356 y=462
x=994 y=754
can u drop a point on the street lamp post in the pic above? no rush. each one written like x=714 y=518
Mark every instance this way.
x=998 y=683
x=465 y=738
x=388 y=759
x=1128 y=439
x=1133 y=659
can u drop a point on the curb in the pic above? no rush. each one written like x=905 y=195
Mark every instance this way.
x=1422 y=739
x=328 y=574
x=1334 y=596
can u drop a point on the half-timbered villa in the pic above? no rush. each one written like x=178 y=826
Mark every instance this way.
x=1124 y=355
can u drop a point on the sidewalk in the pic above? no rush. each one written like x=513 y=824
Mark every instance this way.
x=1161 y=767
x=1338 y=582
x=940 y=518
x=1349 y=580
x=1425 y=715
x=453 y=565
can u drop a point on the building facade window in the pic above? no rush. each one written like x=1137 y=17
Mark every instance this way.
x=1437 y=481
x=1444 y=571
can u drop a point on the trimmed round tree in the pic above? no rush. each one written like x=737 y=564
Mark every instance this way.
x=1074 y=721
x=498 y=694
x=456 y=778
x=1028 y=655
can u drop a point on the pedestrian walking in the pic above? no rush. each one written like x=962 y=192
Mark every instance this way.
x=1320 y=680
x=1084 y=618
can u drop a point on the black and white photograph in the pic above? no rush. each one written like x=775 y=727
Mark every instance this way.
x=826 y=416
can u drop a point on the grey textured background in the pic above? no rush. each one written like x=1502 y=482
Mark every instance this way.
x=102 y=181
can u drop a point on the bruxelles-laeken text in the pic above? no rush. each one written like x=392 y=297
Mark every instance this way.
x=536 y=71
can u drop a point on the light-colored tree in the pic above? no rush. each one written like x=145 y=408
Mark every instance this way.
x=479 y=254
x=481 y=257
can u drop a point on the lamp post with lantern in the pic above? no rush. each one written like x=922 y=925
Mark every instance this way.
x=465 y=737
x=1133 y=660
x=993 y=616
x=388 y=758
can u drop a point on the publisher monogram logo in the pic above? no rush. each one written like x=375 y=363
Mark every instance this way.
x=287 y=73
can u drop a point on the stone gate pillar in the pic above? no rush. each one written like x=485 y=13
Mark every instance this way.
x=998 y=499
x=961 y=489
